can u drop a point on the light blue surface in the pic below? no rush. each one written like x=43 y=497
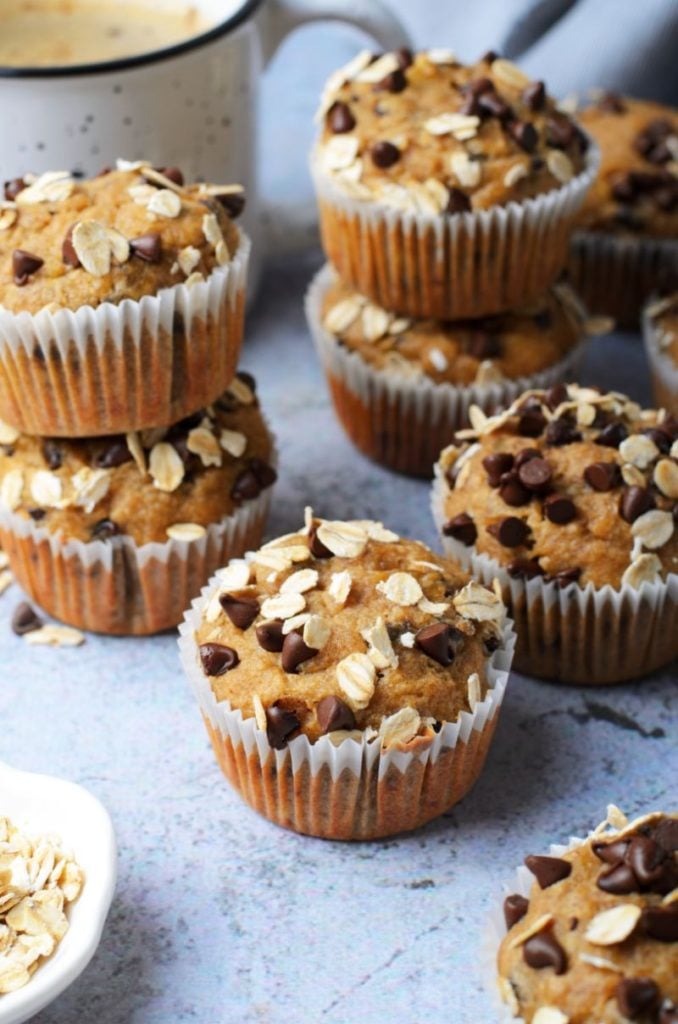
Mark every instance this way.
x=221 y=917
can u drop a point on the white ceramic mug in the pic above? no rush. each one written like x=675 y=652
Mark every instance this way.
x=191 y=105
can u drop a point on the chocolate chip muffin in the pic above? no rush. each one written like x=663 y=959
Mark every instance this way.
x=627 y=244
x=569 y=496
x=402 y=387
x=660 y=332
x=594 y=939
x=118 y=534
x=421 y=160
x=121 y=299
x=333 y=655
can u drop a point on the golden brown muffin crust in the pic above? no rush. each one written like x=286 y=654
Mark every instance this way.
x=427 y=133
x=196 y=472
x=383 y=630
x=597 y=940
x=508 y=346
x=144 y=232
x=569 y=484
x=636 y=191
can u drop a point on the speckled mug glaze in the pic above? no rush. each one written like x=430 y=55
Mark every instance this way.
x=191 y=105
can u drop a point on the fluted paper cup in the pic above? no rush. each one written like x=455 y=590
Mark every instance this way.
x=130 y=366
x=353 y=789
x=405 y=422
x=663 y=370
x=585 y=635
x=450 y=267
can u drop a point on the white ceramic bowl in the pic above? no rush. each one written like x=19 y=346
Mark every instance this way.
x=43 y=804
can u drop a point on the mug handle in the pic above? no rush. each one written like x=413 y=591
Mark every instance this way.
x=280 y=17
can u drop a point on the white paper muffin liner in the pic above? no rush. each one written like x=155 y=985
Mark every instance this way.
x=663 y=370
x=117 y=586
x=583 y=635
x=615 y=276
x=353 y=790
x=449 y=267
x=405 y=422
x=114 y=368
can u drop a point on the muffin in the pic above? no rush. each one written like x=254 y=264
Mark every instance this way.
x=660 y=332
x=402 y=387
x=446 y=190
x=591 y=933
x=350 y=680
x=569 y=498
x=118 y=534
x=627 y=239
x=121 y=300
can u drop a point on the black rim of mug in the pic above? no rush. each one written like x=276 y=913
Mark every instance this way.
x=242 y=14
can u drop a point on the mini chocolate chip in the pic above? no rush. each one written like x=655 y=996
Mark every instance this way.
x=515 y=908
x=496 y=465
x=37 y=513
x=316 y=546
x=524 y=455
x=458 y=201
x=559 y=509
x=462 y=528
x=510 y=532
x=560 y=432
x=565 y=578
x=295 y=652
x=634 y=502
x=544 y=950
x=646 y=859
x=332 y=714
x=531 y=422
x=636 y=996
x=23 y=265
x=242 y=610
x=611 y=103
x=612 y=435
x=13 y=187
x=52 y=453
x=104 y=529
x=603 y=476
x=404 y=57
x=265 y=474
x=147 y=247
x=666 y=834
x=395 y=82
x=439 y=641
x=253 y=480
x=482 y=345
x=535 y=475
x=270 y=636
x=534 y=95
x=384 y=154
x=232 y=202
x=512 y=492
x=68 y=254
x=524 y=569
x=340 y=119
x=548 y=870
x=470 y=107
x=493 y=105
x=611 y=853
x=489 y=57
x=280 y=724
x=217 y=659
x=525 y=134
x=560 y=132
x=555 y=396
x=573 y=924
x=661 y=923
x=24 y=619
x=477 y=86
x=618 y=880
x=174 y=174
x=668 y=1014
x=114 y=454
x=660 y=438
x=248 y=379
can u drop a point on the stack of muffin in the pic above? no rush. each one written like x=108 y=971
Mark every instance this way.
x=133 y=459
x=447 y=197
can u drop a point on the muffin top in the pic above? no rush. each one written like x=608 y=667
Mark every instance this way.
x=597 y=939
x=636 y=190
x=150 y=486
x=122 y=235
x=509 y=345
x=663 y=316
x=570 y=485
x=426 y=133
x=344 y=627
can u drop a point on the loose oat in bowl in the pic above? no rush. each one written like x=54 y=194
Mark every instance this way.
x=121 y=299
x=591 y=930
x=118 y=534
x=349 y=679
x=626 y=245
x=446 y=190
x=402 y=387
x=660 y=334
x=569 y=497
